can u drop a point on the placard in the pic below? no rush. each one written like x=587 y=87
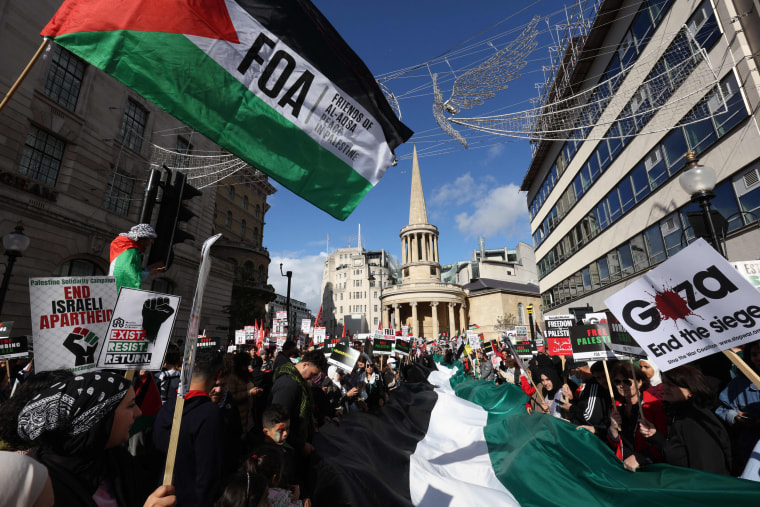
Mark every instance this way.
x=402 y=346
x=749 y=270
x=207 y=342
x=621 y=341
x=306 y=326
x=344 y=357
x=558 y=334
x=591 y=342
x=319 y=335
x=12 y=346
x=690 y=306
x=523 y=348
x=383 y=346
x=473 y=339
x=140 y=330
x=282 y=315
x=240 y=337
x=330 y=343
x=70 y=317
x=521 y=333
x=488 y=348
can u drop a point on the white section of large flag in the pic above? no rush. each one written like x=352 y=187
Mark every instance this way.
x=451 y=465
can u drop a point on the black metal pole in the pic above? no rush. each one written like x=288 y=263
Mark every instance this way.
x=289 y=274
x=704 y=198
x=6 y=279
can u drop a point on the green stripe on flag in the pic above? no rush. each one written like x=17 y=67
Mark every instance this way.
x=542 y=460
x=173 y=73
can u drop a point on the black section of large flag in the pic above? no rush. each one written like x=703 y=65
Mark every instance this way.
x=300 y=25
x=365 y=461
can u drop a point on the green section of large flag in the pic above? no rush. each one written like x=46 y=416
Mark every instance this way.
x=545 y=461
x=173 y=73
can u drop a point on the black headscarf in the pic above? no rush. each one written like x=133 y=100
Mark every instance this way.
x=71 y=422
x=551 y=374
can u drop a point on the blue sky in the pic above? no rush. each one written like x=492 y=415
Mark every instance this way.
x=469 y=193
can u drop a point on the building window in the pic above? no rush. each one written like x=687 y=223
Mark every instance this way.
x=79 y=267
x=228 y=219
x=262 y=275
x=162 y=285
x=41 y=159
x=255 y=235
x=245 y=202
x=133 y=126
x=242 y=228
x=64 y=78
x=520 y=315
x=119 y=194
x=231 y=193
x=183 y=148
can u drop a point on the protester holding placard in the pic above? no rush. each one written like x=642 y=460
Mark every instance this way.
x=653 y=373
x=591 y=410
x=740 y=408
x=632 y=387
x=695 y=438
x=551 y=389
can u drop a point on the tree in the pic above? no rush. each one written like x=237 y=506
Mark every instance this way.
x=507 y=321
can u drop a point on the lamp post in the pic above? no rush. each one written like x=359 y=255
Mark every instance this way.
x=698 y=181
x=289 y=274
x=15 y=244
x=370 y=279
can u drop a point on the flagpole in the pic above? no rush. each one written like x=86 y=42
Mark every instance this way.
x=45 y=42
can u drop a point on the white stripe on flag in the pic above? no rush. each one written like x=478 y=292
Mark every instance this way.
x=451 y=465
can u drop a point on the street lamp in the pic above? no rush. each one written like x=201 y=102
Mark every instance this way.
x=15 y=244
x=698 y=181
x=289 y=274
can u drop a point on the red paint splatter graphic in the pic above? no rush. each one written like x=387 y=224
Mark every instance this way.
x=671 y=305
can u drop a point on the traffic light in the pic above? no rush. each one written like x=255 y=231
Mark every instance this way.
x=171 y=213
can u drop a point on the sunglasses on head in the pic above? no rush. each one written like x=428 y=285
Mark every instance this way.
x=627 y=382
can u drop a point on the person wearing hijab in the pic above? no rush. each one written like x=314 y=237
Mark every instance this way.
x=24 y=481
x=127 y=257
x=652 y=371
x=78 y=426
x=551 y=389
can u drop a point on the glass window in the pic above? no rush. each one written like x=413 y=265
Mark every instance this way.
x=639 y=252
x=594 y=274
x=245 y=202
x=655 y=246
x=613 y=264
x=626 y=260
x=593 y=167
x=725 y=203
x=578 y=186
x=641 y=29
x=242 y=227
x=699 y=134
x=747 y=187
x=657 y=9
x=613 y=205
x=182 y=148
x=640 y=181
x=603 y=152
x=42 y=155
x=604 y=272
x=119 y=194
x=674 y=148
x=64 y=78
x=586 y=277
x=627 y=50
x=703 y=26
x=734 y=111
x=231 y=192
x=626 y=194
x=228 y=219
x=672 y=234
x=133 y=125
x=657 y=171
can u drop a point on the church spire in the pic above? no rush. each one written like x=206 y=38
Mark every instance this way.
x=417 y=211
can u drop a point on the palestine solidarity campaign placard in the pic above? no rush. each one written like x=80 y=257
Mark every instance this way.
x=70 y=317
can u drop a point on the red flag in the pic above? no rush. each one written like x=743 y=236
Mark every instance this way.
x=344 y=330
x=318 y=320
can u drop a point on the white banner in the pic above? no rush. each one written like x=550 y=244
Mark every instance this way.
x=240 y=336
x=140 y=330
x=306 y=326
x=70 y=317
x=693 y=305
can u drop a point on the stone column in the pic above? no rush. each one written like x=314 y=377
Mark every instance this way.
x=415 y=323
x=452 y=321
x=396 y=317
x=386 y=316
x=403 y=250
x=462 y=317
x=434 y=310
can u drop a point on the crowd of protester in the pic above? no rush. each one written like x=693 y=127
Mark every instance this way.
x=249 y=418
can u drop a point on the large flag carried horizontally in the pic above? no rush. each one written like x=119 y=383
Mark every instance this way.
x=465 y=442
x=269 y=80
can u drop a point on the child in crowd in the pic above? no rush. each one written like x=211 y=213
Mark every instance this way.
x=245 y=490
x=267 y=461
x=276 y=423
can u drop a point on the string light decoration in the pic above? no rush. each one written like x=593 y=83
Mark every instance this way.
x=482 y=82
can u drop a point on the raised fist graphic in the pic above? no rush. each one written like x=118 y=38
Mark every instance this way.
x=82 y=343
x=154 y=313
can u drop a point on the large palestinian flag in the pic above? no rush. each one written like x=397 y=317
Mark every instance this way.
x=269 y=80
x=471 y=443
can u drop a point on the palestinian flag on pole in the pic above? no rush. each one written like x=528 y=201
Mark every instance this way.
x=468 y=442
x=269 y=80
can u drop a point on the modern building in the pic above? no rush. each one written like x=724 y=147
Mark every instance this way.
x=352 y=284
x=644 y=82
x=298 y=312
x=507 y=264
x=75 y=152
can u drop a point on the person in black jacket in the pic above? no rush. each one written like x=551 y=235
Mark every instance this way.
x=696 y=437
x=198 y=465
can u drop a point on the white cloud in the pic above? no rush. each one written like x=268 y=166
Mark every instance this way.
x=501 y=211
x=462 y=190
x=494 y=152
x=306 y=282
